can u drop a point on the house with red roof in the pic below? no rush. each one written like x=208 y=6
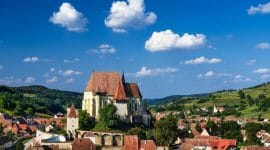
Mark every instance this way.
x=207 y=142
x=131 y=142
x=83 y=144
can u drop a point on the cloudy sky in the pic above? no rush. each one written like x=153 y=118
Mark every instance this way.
x=167 y=47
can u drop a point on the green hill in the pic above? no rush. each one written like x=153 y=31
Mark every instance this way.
x=38 y=100
x=257 y=104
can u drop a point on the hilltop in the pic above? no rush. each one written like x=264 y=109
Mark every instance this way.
x=255 y=102
x=35 y=99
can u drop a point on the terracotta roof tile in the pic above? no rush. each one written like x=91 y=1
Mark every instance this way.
x=83 y=144
x=131 y=142
x=72 y=112
x=120 y=93
x=103 y=82
x=147 y=145
x=112 y=84
x=132 y=90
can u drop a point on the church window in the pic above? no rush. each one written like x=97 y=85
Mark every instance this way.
x=94 y=108
x=135 y=106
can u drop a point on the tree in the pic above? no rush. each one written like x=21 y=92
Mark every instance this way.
x=85 y=122
x=241 y=94
x=198 y=127
x=251 y=130
x=230 y=130
x=19 y=146
x=250 y=100
x=264 y=104
x=139 y=132
x=165 y=130
x=1 y=129
x=211 y=127
x=18 y=109
x=108 y=117
x=29 y=111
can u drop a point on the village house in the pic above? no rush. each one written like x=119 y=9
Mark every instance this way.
x=111 y=88
x=264 y=137
x=131 y=142
x=218 y=109
x=204 y=141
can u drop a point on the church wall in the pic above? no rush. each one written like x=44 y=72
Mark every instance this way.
x=87 y=102
x=122 y=110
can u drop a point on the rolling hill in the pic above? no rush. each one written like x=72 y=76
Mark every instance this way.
x=226 y=98
x=36 y=99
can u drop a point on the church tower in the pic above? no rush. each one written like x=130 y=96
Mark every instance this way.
x=72 y=121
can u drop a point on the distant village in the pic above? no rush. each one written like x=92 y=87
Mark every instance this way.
x=121 y=121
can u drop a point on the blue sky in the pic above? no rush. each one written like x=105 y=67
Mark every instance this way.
x=167 y=47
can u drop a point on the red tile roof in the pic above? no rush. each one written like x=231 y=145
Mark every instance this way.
x=132 y=90
x=120 y=93
x=212 y=141
x=112 y=84
x=197 y=142
x=131 y=142
x=83 y=144
x=147 y=145
x=72 y=112
x=103 y=82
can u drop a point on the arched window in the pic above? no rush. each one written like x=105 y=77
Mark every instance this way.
x=94 y=107
x=135 y=106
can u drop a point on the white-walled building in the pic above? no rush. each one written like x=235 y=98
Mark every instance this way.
x=110 y=88
x=72 y=121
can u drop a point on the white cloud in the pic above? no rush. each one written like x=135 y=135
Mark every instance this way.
x=31 y=59
x=240 y=78
x=70 y=80
x=261 y=8
x=10 y=80
x=130 y=14
x=167 y=40
x=52 y=80
x=211 y=74
x=75 y=60
x=262 y=70
x=153 y=72
x=265 y=76
x=263 y=45
x=46 y=75
x=70 y=18
x=52 y=69
x=1 y=67
x=30 y=80
x=70 y=72
x=251 y=62
x=34 y=59
x=104 y=49
x=203 y=60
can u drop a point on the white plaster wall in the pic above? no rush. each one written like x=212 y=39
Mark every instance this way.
x=122 y=110
x=72 y=124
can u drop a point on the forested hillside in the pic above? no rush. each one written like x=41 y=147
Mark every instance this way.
x=38 y=100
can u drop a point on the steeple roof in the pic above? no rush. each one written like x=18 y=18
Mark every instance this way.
x=72 y=112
